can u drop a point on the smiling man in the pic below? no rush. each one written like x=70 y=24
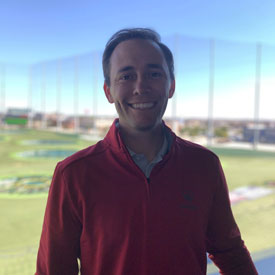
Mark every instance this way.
x=139 y=85
x=142 y=201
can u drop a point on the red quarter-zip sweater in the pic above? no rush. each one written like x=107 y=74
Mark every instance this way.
x=102 y=210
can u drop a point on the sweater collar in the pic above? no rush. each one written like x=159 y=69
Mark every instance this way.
x=114 y=140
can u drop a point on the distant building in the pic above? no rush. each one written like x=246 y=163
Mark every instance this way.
x=16 y=116
x=266 y=135
x=86 y=122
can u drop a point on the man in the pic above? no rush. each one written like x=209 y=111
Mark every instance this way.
x=142 y=201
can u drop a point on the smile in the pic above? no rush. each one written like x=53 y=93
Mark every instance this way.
x=142 y=105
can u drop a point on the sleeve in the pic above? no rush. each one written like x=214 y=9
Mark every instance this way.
x=224 y=244
x=60 y=239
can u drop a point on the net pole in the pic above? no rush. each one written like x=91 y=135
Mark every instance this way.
x=58 y=93
x=257 y=96
x=43 y=96
x=30 y=96
x=174 y=101
x=76 y=93
x=3 y=91
x=210 y=128
x=95 y=82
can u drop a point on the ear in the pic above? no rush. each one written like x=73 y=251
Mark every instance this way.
x=172 y=88
x=108 y=93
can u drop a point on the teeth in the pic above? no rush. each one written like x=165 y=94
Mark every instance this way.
x=142 y=105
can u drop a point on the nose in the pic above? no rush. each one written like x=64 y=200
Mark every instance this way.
x=141 y=85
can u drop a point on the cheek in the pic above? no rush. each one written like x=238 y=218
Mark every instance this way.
x=121 y=108
x=122 y=92
x=162 y=85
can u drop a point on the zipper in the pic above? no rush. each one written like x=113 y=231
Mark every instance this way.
x=148 y=187
x=139 y=171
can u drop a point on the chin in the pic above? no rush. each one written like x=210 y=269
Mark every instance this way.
x=146 y=126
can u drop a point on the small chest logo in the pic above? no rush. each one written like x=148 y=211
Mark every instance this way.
x=188 y=201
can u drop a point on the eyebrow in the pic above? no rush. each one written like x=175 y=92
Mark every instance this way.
x=155 y=66
x=151 y=66
x=127 y=68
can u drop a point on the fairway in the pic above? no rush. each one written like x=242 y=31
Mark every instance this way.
x=22 y=213
x=246 y=167
x=254 y=217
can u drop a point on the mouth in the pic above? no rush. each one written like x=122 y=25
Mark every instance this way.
x=142 y=106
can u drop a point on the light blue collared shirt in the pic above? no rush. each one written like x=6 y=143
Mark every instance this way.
x=142 y=162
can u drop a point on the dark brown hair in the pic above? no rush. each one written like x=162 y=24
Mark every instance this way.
x=134 y=33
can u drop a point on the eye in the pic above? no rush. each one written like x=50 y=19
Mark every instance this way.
x=155 y=74
x=126 y=77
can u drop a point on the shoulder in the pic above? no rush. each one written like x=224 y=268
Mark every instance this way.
x=93 y=157
x=183 y=147
x=84 y=156
x=195 y=155
x=195 y=149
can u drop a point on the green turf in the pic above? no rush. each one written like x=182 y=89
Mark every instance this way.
x=246 y=167
x=10 y=165
x=254 y=217
x=256 y=222
x=21 y=223
x=21 y=216
x=21 y=219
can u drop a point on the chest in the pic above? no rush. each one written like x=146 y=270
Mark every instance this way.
x=125 y=201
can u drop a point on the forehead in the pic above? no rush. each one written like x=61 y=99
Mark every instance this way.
x=136 y=52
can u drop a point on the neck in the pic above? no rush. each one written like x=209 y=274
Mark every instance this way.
x=147 y=142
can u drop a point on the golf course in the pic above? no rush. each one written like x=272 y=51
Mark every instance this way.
x=27 y=161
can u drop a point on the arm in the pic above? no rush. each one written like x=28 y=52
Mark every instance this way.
x=224 y=244
x=59 y=244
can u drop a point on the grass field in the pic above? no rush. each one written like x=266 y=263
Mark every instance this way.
x=21 y=216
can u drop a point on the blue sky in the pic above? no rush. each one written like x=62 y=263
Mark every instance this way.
x=34 y=31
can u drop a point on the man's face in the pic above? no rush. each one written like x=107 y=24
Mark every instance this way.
x=140 y=84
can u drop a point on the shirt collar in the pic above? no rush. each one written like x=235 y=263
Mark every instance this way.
x=162 y=152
